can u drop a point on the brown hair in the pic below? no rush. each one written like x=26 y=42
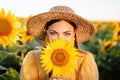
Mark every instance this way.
x=57 y=20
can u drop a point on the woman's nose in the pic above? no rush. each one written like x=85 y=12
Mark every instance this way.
x=60 y=36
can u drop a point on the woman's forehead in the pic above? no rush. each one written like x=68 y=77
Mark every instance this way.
x=61 y=25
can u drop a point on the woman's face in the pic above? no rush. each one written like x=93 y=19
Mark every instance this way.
x=61 y=30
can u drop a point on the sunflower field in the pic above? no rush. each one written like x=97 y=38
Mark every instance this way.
x=15 y=42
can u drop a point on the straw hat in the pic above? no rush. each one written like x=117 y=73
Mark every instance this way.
x=85 y=29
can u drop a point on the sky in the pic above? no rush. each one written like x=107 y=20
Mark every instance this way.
x=104 y=10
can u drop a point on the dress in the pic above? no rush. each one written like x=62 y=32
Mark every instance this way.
x=86 y=67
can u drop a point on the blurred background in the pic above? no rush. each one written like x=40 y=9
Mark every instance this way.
x=15 y=41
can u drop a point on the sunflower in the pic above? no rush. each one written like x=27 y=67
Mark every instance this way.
x=25 y=35
x=108 y=45
x=9 y=28
x=115 y=25
x=116 y=35
x=98 y=25
x=60 y=57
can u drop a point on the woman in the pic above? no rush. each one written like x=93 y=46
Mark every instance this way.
x=60 y=22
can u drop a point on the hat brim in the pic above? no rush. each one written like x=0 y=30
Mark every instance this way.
x=85 y=29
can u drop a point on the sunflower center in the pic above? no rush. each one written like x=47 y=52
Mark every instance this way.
x=119 y=33
x=5 y=27
x=59 y=57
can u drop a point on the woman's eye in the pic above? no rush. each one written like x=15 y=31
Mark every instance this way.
x=52 y=33
x=67 y=34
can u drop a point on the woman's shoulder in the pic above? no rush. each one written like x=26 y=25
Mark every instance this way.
x=85 y=53
x=87 y=66
x=36 y=51
x=33 y=54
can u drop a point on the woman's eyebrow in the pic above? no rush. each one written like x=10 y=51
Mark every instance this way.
x=56 y=31
x=68 y=31
x=51 y=30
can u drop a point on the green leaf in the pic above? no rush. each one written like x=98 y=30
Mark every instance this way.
x=9 y=77
x=3 y=55
x=11 y=61
x=2 y=77
x=2 y=68
x=11 y=74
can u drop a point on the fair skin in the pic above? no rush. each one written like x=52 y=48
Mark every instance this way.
x=61 y=30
